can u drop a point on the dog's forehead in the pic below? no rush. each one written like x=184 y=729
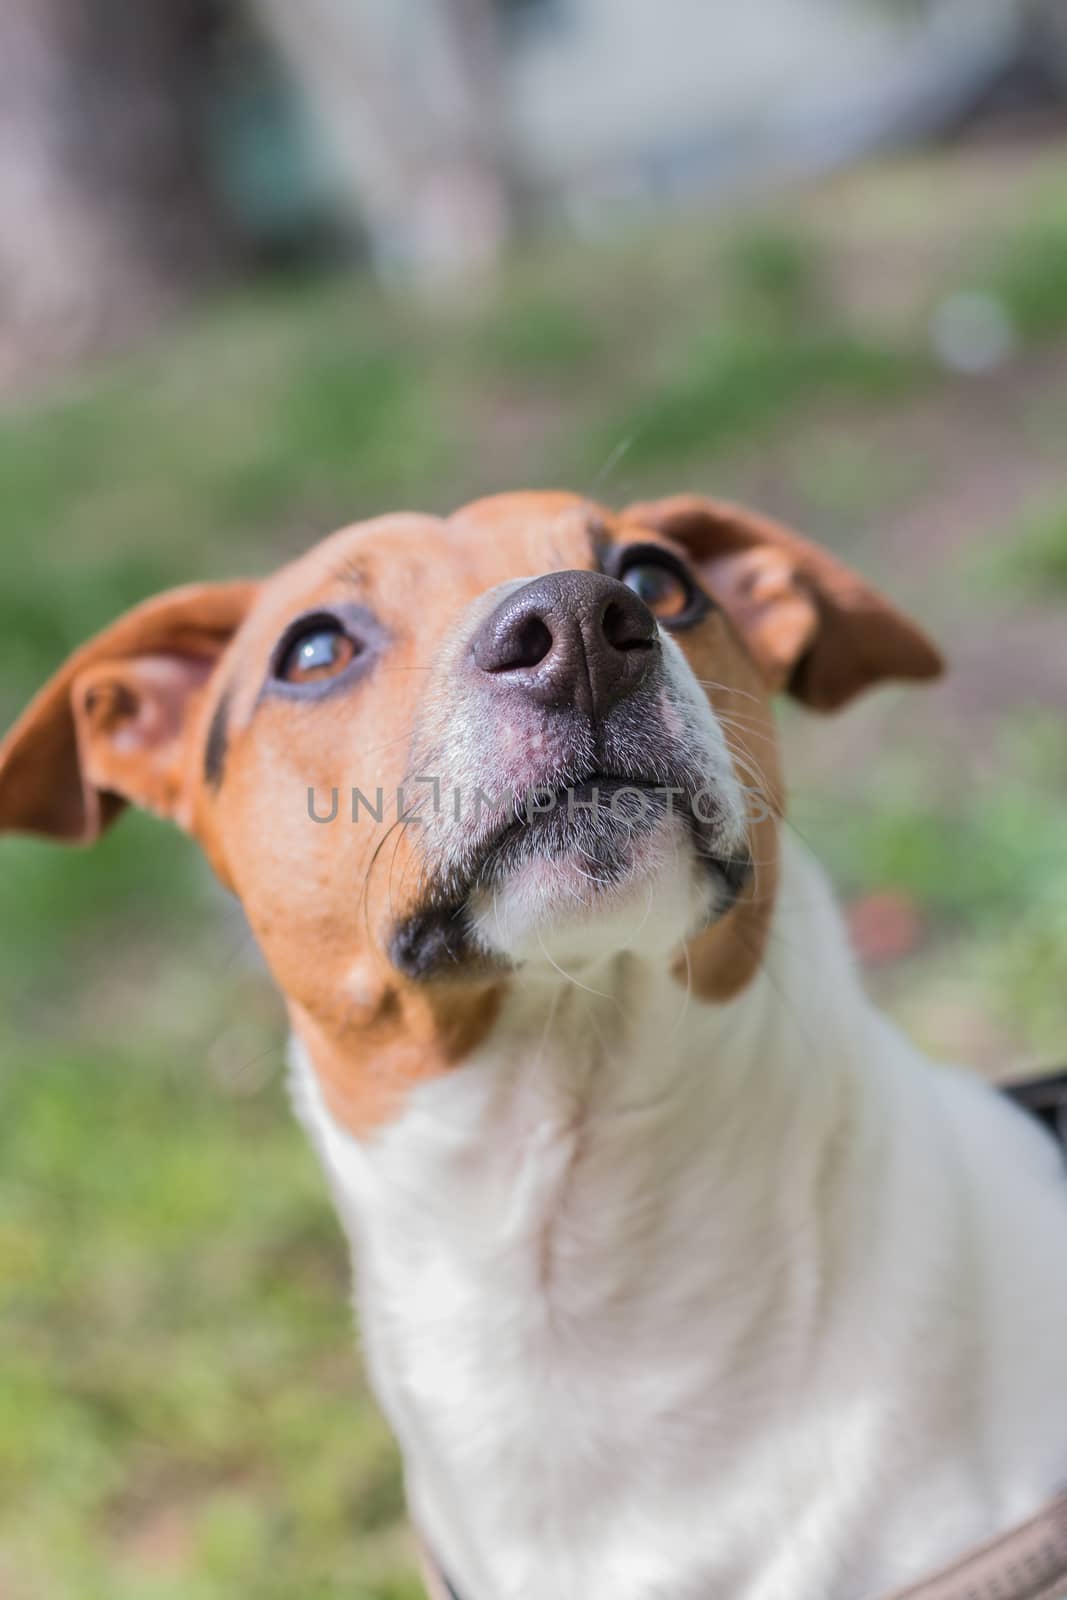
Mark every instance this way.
x=391 y=560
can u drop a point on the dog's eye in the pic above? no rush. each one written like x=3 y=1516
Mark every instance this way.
x=320 y=648
x=662 y=583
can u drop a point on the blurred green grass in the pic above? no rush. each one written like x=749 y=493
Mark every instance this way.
x=985 y=860
x=181 y=1412
x=1028 y=270
x=181 y=1415
x=1032 y=560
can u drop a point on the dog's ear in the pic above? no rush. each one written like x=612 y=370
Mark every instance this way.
x=813 y=627
x=113 y=725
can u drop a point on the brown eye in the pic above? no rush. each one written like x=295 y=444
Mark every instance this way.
x=320 y=650
x=665 y=591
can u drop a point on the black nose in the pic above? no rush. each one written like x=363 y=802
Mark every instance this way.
x=571 y=638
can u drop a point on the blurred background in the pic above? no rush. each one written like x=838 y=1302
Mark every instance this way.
x=268 y=267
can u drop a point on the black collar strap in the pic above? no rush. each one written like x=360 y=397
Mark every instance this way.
x=1046 y=1099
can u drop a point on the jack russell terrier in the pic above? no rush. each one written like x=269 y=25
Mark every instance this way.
x=681 y=1273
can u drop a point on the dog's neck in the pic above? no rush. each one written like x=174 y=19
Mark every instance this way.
x=604 y=1067
x=611 y=1187
x=618 y=1266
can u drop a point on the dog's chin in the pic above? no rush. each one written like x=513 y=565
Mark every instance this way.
x=569 y=904
x=575 y=884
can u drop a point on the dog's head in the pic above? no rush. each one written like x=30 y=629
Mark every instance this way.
x=430 y=753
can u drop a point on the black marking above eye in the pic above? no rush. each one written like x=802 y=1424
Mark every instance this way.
x=217 y=739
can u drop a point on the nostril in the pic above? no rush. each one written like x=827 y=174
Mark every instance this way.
x=627 y=629
x=528 y=642
x=533 y=642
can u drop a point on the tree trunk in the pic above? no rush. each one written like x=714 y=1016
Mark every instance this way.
x=406 y=99
x=107 y=216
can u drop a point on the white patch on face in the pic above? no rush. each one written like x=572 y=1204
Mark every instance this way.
x=552 y=911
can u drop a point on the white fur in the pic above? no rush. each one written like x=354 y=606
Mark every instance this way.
x=687 y=1301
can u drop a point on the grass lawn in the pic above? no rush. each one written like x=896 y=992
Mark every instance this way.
x=182 y=1415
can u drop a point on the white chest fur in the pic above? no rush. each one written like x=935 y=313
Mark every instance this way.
x=665 y=1299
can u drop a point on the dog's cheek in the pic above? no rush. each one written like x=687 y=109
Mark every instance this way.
x=741 y=703
x=289 y=872
x=368 y=1066
x=722 y=961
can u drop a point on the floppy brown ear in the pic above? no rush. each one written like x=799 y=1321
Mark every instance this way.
x=812 y=625
x=113 y=725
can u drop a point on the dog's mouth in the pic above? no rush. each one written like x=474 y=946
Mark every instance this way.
x=579 y=842
x=597 y=820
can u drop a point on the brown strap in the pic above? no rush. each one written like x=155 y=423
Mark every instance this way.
x=1030 y=1563
x=437 y=1585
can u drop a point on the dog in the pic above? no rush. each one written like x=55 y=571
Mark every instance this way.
x=681 y=1273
